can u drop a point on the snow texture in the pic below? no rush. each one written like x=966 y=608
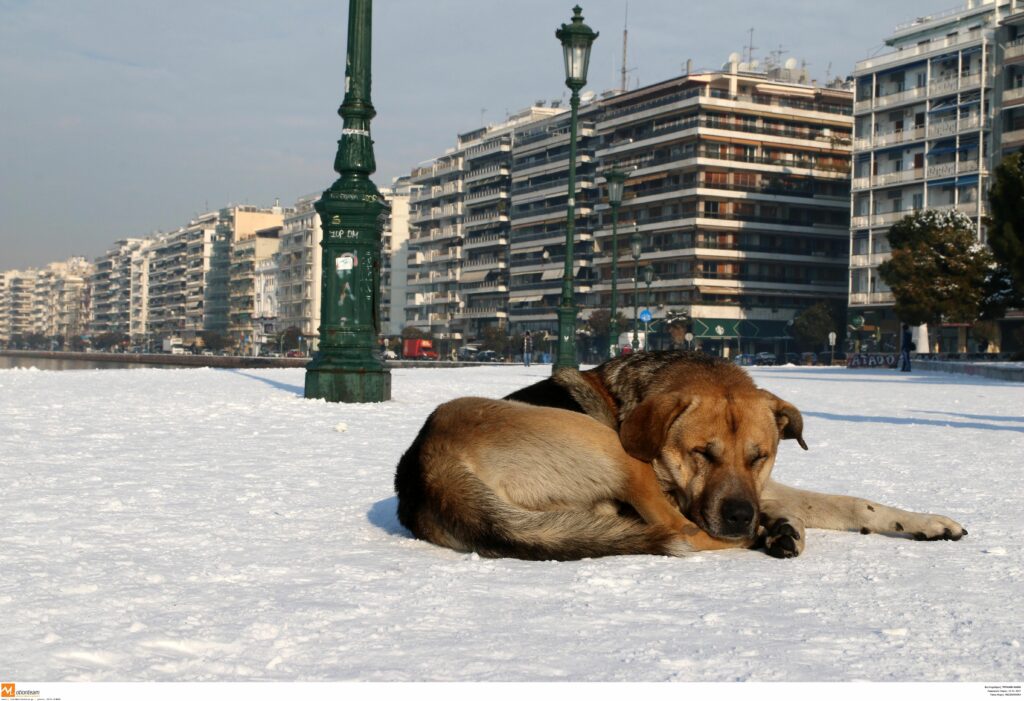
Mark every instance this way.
x=213 y=525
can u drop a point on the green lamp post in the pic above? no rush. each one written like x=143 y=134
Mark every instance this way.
x=616 y=184
x=576 y=39
x=648 y=279
x=348 y=366
x=636 y=244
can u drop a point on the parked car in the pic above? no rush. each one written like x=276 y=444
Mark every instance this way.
x=764 y=358
x=743 y=359
x=488 y=356
x=295 y=354
x=808 y=359
x=793 y=358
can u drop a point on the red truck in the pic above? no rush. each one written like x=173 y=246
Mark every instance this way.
x=418 y=349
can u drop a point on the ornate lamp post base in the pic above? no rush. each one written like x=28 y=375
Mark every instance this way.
x=350 y=385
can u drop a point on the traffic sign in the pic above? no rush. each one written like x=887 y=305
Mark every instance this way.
x=645 y=316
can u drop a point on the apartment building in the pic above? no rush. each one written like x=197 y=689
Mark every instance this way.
x=265 y=307
x=539 y=210
x=247 y=254
x=933 y=117
x=738 y=189
x=299 y=269
x=206 y=251
x=17 y=304
x=395 y=257
x=110 y=285
x=459 y=224
x=168 y=285
x=61 y=299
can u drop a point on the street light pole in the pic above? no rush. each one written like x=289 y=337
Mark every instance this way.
x=616 y=182
x=636 y=244
x=648 y=279
x=348 y=366
x=576 y=40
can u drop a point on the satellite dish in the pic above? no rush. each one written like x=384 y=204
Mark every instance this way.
x=588 y=96
x=755 y=64
x=790 y=63
x=734 y=57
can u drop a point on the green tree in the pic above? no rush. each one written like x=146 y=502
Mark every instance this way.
x=1005 y=224
x=812 y=326
x=214 y=340
x=599 y=324
x=109 y=339
x=494 y=338
x=938 y=270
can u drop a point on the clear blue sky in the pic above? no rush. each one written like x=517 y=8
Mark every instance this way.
x=121 y=117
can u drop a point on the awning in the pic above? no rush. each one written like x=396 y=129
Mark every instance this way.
x=474 y=276
x=525 y=298
x=967 y=180
x=551 y=274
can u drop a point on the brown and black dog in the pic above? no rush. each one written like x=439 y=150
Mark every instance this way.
x=661 y=453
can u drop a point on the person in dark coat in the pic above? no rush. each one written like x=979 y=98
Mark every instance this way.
x=906 y=345
x=527 y=348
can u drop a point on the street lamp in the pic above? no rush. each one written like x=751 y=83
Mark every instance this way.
x=636 y=244
x=348 y=366
x=576 y=40
x=648 y=279
x=616 y=184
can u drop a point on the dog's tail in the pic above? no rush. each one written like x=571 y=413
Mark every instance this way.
x=452 y=507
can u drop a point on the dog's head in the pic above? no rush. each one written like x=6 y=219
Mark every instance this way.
x=713 y=450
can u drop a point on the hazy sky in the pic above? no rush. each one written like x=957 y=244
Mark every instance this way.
x=122 y=117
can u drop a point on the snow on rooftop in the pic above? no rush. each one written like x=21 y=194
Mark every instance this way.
x=213 y=525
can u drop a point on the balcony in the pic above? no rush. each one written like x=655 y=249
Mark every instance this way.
x=1013 y=94
x=1014 y=49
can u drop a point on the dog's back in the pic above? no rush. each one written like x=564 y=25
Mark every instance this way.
x=469 y=450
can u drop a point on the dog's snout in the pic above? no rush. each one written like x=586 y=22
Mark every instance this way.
x=737 y=514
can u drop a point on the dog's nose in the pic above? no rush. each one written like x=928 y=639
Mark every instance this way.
x=737 y=514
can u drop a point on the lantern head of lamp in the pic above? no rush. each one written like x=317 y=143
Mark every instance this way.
x=576 y=39
x=616 y=184
x=636 y=244
x=648 y=275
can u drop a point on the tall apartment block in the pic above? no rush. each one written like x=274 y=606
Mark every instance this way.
x=111 y=283
x=248 y=254
x=206 y=249
x=395 y=257
x=933 y=117
x=299 y=265
x=459 y=225
x=739 y=191
x=61 y=299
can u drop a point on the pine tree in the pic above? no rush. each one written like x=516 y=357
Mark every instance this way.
x=938 y=271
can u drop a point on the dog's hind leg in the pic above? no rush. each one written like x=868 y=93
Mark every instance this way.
x=783 y=506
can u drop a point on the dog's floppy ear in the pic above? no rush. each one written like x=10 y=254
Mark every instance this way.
x=644 y=431
x=787 y=416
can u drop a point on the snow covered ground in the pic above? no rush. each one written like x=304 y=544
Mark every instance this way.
x=213 y=525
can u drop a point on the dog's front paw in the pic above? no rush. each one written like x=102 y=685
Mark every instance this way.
x=782 y=538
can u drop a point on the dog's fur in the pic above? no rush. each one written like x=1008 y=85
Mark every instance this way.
x=614 y=393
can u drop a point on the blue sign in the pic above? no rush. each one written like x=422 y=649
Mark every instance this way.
x=645 y=316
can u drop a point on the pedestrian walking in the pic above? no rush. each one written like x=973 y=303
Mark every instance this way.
x=906 y=345
x=527 y=348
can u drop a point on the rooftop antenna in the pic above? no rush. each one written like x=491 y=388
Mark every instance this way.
x=828 y=73
x=625 y=43
x=750 y=46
